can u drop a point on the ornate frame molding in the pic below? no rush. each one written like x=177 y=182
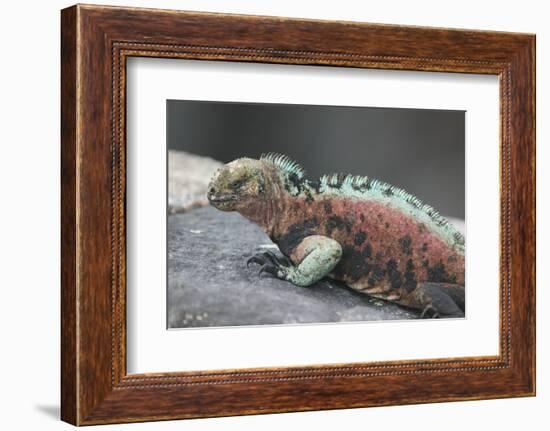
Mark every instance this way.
x=96 y=41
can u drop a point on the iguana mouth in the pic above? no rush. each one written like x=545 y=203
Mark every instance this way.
x=222 y=199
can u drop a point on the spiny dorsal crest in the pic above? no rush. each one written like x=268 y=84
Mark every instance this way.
x=284 y=163
x=363 y=183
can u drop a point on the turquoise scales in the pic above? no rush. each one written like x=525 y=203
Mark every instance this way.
x=375 y=237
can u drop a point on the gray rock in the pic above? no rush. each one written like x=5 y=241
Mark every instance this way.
x=188 y=177
x=210 y=285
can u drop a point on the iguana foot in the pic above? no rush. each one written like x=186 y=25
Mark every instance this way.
x=312 y=259
x=271 y=263
x=441 y=300
x=429 y=313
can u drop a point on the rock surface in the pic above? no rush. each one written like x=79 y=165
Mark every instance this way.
x=188 y=177
x=210 y=285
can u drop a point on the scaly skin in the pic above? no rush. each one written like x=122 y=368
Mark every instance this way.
x=376 y=238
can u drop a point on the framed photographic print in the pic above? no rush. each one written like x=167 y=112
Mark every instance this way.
x=265 y=214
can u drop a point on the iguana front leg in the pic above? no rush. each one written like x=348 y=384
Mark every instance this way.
x=311 y=260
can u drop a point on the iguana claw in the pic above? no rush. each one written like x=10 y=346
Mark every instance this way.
x=255 y=259
x=271 y=263
x=269 y=268
x=268 y=256
x=429 y=309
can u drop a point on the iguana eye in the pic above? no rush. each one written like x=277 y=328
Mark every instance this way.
x=237 y=184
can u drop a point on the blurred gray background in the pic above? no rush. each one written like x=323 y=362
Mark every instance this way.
x=420 y=150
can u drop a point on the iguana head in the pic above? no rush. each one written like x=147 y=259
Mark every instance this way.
x=235 y=185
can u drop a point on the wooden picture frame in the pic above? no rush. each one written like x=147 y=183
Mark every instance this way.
x=95 y=43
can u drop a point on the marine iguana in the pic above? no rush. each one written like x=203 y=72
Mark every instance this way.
x=374 y=237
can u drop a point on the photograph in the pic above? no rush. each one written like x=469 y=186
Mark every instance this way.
x=282 y=214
